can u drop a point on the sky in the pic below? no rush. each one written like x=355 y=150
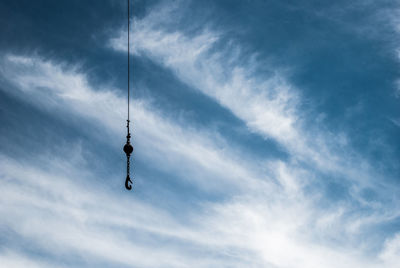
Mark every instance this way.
x=265 y=134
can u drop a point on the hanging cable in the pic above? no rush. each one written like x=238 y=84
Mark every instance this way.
x=128 y=149
x=128 y=60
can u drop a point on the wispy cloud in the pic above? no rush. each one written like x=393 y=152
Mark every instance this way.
x=255 y=224
x=268 y=104
x=49 y=87
x=270 y=107
x=268 y=213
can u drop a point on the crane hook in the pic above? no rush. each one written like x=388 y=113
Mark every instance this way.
x=128 y=149
x=127 y=181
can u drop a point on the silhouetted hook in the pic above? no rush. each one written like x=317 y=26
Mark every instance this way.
x=127 y=181
x=128 y=149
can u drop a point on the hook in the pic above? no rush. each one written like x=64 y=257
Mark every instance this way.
x=128 y=149
x=127 y=185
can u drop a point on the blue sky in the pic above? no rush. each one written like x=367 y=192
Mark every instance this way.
x=265 y=134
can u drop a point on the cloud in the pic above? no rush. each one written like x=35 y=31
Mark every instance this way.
x=15 y=260
x=49 y=87
x=391 y=251
x=266 y=215
x=68 y=219
x=270 y=107
x=75 y=220
x=268 y=104
x=255 y=225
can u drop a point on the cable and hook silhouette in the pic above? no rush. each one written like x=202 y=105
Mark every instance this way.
x=128 y=148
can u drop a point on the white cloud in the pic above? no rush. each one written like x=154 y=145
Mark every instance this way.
x=49 y=87
x=256 y=225
x=391 y=252
x=66 y=217
x=267 y=104
x=70 y=218
x=11 y=259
